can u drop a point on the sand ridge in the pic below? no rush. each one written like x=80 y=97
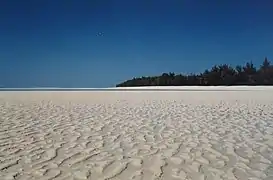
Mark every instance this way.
x=136 y=135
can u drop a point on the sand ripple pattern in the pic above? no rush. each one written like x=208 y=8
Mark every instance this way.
x=138 y=136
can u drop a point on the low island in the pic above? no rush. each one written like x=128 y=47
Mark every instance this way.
x=218 y=75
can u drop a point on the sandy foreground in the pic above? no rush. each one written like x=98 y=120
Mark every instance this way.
x=150 y=135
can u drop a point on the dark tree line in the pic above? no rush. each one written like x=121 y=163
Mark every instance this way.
x=218 y=75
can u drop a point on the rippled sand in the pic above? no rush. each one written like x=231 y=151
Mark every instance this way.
x=136 y=135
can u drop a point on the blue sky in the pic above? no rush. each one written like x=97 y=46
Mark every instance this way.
x=57 y=43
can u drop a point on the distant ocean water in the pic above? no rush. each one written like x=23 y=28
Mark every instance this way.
x=50 y=89
x=113 y=89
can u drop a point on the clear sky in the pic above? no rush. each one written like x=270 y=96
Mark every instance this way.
x=99 y=43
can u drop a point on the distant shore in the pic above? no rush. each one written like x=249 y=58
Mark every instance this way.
x=150 y=88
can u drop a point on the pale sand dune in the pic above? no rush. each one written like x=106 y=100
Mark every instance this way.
x=136 y=135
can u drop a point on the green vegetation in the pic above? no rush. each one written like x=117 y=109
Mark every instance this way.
x=218 y=75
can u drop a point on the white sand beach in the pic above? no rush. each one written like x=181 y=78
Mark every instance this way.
x=119 y=135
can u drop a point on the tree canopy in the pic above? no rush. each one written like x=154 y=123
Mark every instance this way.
x=218 y=75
